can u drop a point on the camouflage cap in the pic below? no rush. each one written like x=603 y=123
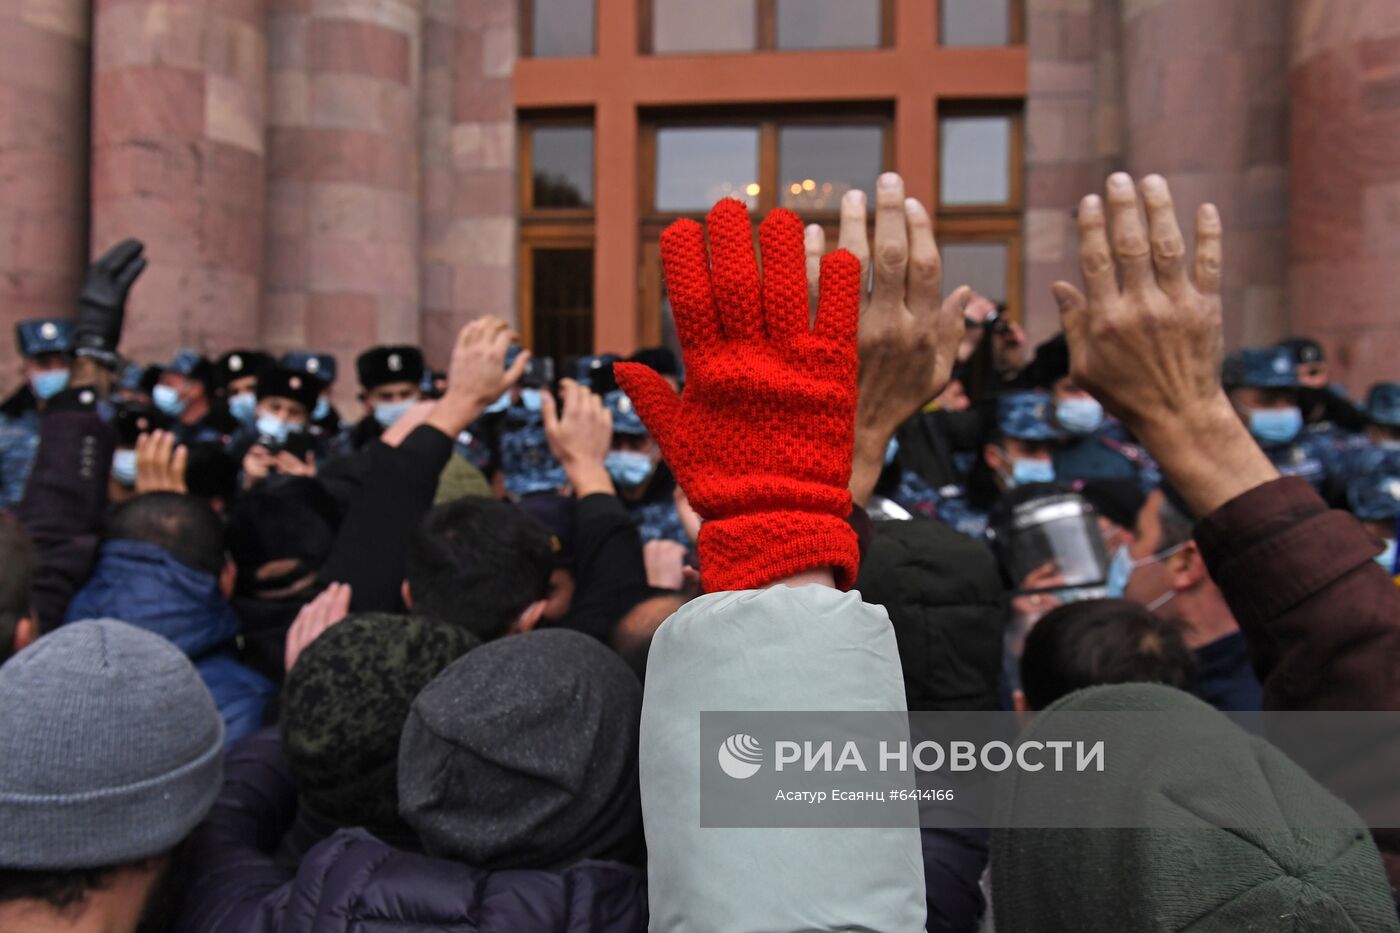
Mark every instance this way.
x=1375 y=498
x=624 y=415
x=1383 y=404
x=48 y=335
x=1025 y=416
x=1260 y=368
x=526 y=460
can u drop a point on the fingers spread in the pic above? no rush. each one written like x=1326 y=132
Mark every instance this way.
x=785 y=297
x=687 y=269
x=1210 y=250
x=925 y=267
x=891 y=241
x=735 y=270
x=1168 y=247
x=1130 y=246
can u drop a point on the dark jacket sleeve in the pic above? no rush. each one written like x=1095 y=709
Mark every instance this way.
x=64 y=502
x=1320 y=616
x=610 y=576
x=236 y=884
x=953 y=865
x=397 y=492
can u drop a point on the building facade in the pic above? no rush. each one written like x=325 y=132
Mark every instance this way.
x=336 y=173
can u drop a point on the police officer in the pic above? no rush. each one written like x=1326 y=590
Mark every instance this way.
x=644 y=484
x=278 y=440
x=46 y=349
x=1379 y=452
x=1330 y=419
x=325 y=420
x=236 y=381
x=526 y=461
x=1018 y=450
x=391 y=382
x=1262 y=384
x=1096 y=446
x=185 y=394
x=1375 y=501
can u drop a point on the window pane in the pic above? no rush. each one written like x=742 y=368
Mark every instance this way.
x=975 y=22
x=562 y=28
x=696 y=167
x=976 y=157
x=818 y=164
x=562 y=168
x=563 y=302
x=703 y=25
x=981 y=265
x=828 y=24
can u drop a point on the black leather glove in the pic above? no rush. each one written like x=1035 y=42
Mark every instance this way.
x=102 y=305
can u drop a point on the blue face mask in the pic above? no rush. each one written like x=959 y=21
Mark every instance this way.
x=628 y=468
x=48 y=384
x=1273 y=426
x=1120 y=571
x=500 y=404
x=124 y=467
x=530 y=398
x=322 y=409
x=244 y=407
x=1024 y=472
x=1079 y=415
x=167 y=399
x=1386 y=558
x=274 y=427
x=386 y=413
x=891 y=450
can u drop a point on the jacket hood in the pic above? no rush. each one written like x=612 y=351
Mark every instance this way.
x=144 y=586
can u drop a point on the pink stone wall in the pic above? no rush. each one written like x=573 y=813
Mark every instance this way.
x=1345 y=224
x=44 y=80
x=178 y=161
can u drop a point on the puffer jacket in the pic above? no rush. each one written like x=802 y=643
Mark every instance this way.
x=143 y=585
x=353 y=881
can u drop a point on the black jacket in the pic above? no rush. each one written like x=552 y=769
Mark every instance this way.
x=609 y=574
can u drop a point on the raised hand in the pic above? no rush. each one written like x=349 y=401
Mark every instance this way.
x=315 y=618
x=476 y=374
x=909 y=334
x=761 y=441
x=102 y=303
x=160 y=463
x=1150 y=349
x=579 y=437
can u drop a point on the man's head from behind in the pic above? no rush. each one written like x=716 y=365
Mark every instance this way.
x=86 y=835
x=1098 y=642
x=481 y=564
x=184 y=527
x=18 y=625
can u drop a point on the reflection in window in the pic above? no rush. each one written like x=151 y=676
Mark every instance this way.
x=695 y=167
x=703 y=25
x=828 y=24
x=562 y=290
x=975 y=22
x=562 y=166
x=981 y=265
x=819 y=164
x=561 y=28
x=975 y=164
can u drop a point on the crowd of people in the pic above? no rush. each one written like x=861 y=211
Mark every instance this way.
x=439 y=663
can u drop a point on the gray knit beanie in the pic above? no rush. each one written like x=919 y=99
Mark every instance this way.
x=523 y=754
x=110 y=748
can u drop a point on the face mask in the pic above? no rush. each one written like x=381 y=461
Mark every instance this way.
x=48 y=384
x=124 y=467
x=386 y=413
x=1386 y=558
x=1392 y=445
x=1024 y=472
x=1079 y=415
x=628 y=468
x=274 y=427
x=322 y=409
x=891 y=450
x=500 y=404
x=1120 y=571
x=530 y=398
x=1275 y=425
x=244 y=407
x=167 y=399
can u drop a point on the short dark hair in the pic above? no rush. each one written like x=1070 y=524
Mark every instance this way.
x=478 y=563
x=61 y=889
x=1101 y=641
x=185 y=527
x=18 y=558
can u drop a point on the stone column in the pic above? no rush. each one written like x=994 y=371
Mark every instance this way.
x=44 y=83
x=1345 y=230
x=177 y=161
x=1206 y=106
x=343 y=177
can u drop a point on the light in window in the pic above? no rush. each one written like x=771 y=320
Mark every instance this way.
x=819 y=164
x=697 y=166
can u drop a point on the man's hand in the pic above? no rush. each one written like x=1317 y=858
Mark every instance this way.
x=476 y=374
x=160 y=463
x=257 y=463
x=289 y=464
x=314 y=618
x=665 y=563
x=102 y=303
x=909 y=335
x=1150 y=350
x=580 y=437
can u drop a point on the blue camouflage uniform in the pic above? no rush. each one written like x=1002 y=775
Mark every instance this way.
x=1366 y=458
x=1108 y=452
x=19 y=414
x=526 y=460
x=1021 y=415
x=655 y=514
x=1309 y=456
x=1376 y=498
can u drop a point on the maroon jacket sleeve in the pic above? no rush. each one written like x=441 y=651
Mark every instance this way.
x=1320 y=616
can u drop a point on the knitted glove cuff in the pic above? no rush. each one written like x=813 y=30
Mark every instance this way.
x=751 y=551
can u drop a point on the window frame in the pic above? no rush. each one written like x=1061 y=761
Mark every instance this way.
x=1015 y=158
x=765 y=31
x=1015 y=26
x=526 y=124
x=526 y=12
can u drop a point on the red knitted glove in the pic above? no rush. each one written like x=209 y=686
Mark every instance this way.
x=761 y=441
